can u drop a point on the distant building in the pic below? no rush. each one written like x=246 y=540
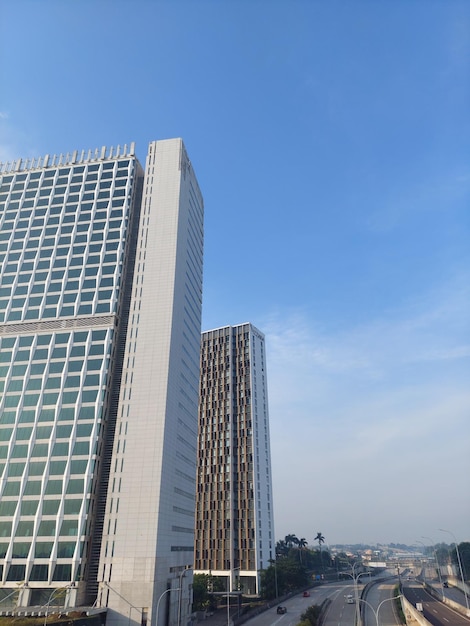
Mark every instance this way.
x=234 y=507
x=100 y=319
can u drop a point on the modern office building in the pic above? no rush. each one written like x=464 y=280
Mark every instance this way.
x=100 y=320
x=234 y=506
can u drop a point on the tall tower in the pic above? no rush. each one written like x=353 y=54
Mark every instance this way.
x=234 y=507
x=100 y=306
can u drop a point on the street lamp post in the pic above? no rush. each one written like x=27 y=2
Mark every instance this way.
x=460 y=567
x=182 y=575
x=159 y=599
x=229 y=589
x=355 y=578
x=424 y=562
x=433 y=545
x=9 y=595
x=51 y=596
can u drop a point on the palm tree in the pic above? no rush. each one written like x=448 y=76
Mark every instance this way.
x=281 y=548
x=301 y=543
x=291 y=540
x=321 y=539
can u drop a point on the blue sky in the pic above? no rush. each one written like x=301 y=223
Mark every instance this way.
x=331 y=143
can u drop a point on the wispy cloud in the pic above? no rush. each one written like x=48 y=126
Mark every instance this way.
x=380 y=400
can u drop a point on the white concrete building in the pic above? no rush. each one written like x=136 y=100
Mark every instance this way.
x=234 y=506
x=100 y=314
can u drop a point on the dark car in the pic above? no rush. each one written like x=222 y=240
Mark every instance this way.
x=281 y=610
x=306 y=594
x=445 y=584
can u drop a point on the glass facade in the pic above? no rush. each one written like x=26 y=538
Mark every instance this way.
x=63 y=250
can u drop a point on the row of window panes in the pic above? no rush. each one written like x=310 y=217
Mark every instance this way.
x=74 y=186
x=42 y=450
x=79 y=339
x=8 y=184
x=49 y=313
x=42 y=550
x=55 y=298
x=44 y=432
x=60 y=257
x=73 y=381
x=18 y=302
x=50 y=215
x=19 y=231
x=49 y=507
x=45 y=213
x=65 y=311
x=44 y=353
x=35 y=234
x=79 y=336
x=48 y=399
x=64 y=414
x=37 y=468
x=63 y=245
x=12 y=486
x=20 y=180
x=56 y=206
x=37 y=384
x=55 y=367
x=47 y=528
x=84 y=220
x=38 y=281
x=101 y=296
x=39 y=572
x=75 y=215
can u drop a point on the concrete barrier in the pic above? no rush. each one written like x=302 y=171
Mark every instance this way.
x=453 y=605
x=412 y=615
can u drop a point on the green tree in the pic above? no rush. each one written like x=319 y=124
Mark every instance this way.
x=200 y=592
x=269 y=581
x=464 y=552
x=203 y=586
x=282 y=548
x=311 y=615
x=287 y=574
x=291 y=575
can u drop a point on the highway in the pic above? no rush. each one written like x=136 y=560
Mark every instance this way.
x=298 y=604
x=378 y=608
x=437 y=613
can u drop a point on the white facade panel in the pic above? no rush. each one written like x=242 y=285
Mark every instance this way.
x=153 y=482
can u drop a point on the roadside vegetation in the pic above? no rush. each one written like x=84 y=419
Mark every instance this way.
x=297 y=566
x=311 y=616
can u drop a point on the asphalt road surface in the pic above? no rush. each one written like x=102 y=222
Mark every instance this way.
x=379 y=602
x=296 y=606
x=437 y=613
